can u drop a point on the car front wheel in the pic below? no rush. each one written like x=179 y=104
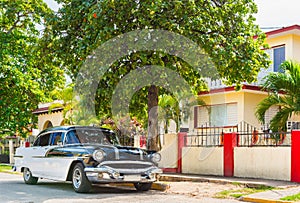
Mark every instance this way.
x=79 y=180
x=142 y=186
x=28 y=178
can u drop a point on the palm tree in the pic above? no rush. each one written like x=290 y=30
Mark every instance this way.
x=284 y=91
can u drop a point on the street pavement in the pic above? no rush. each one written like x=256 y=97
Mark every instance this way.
x=177 y=188
x=284 y=188
x=13 y=190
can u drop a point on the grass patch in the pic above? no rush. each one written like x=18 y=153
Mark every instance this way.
x=295 y=197
x=237 y=193
x=6 y=168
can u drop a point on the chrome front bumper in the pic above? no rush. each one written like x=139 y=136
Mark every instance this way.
x=106 y=174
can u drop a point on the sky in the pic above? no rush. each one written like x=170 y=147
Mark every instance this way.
x=271 y=13
x=277 y=13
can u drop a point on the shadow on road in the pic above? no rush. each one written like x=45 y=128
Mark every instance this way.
x=98 y=188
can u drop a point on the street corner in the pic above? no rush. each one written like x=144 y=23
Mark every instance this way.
x=262 y=200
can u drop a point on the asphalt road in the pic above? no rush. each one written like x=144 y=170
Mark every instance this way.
x=13 y=189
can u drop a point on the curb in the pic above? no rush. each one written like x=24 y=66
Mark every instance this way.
x=260 y=200
x=155 y=186
x=160 y=186
x=200 y=179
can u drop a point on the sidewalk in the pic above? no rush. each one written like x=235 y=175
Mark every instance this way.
x=286 y=188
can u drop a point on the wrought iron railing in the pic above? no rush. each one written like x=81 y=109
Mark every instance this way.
x=204 y=140
x=254 y=139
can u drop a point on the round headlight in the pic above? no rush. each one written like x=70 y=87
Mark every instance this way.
x=156 y=157
x=99 y=155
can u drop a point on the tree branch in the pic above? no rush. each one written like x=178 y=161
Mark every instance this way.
x=19 y=16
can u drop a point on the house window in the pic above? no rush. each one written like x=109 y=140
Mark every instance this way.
x=216 y=115
x=278 y=58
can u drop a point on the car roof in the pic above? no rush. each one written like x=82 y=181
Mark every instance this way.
x=67 y=128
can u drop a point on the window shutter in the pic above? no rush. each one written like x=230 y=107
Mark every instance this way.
x=232 y=114
x=279 y=57
x=203 y=116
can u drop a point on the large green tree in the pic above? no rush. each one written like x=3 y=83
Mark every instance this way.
x=224 y=29
x=284 y=92
x=26 y=75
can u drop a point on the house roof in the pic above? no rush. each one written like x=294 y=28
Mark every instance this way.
x=46 y=110
x=231 y=89
x=293 y=29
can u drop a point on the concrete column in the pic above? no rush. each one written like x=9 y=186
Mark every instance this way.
x=136 y=141
x=11 y=151
x=295 y=158
x=181 y=143
x=230 y=141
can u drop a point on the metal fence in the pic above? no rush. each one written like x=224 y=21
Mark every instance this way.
x=247 y=136
x=204 y=140
x=254 y=139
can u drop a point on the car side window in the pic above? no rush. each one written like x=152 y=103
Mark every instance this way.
x=72 y=138
x=56 y=138
x=42 y=140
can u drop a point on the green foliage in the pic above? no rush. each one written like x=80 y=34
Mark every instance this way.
x=224 y=29
x=25 y=78
x=243 y=191
x=293 y=198
x=5 y=168
x=284 y=92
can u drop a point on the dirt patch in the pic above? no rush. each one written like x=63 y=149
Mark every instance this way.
x=200 y=190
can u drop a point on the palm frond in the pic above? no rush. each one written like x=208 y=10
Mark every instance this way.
x=287 y=82
x=264 y=105
x=278 y=122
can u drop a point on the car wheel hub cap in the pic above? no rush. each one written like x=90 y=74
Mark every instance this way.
x=27 y=175
x=77 y=178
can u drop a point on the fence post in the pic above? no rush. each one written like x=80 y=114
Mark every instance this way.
x=230 y=141
x=295 y=159
x=181 y=137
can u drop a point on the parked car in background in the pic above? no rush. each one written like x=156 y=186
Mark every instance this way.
x=86 y=156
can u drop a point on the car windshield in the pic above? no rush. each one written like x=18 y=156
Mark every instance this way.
x=92 y=136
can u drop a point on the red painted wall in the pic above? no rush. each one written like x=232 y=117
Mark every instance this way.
x=295 y=156
x=181 y=141
x=230 y=141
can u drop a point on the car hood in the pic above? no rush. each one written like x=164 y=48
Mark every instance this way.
x=113 y=152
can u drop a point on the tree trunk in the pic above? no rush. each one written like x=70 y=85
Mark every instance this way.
x=153 y=118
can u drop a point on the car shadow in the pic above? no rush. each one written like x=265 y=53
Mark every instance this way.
x=97 y=188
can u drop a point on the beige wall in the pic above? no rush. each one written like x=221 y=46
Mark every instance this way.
x=169 y=151
x=200 y=160
x=263 y=162
x=56 y=119
x=296 y=48
x=251 y=101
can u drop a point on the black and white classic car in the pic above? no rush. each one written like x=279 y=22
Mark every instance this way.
x=85 y=156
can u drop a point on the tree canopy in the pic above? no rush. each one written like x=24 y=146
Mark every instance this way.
x=225 y=30
x=26 y=75
x=283 y=88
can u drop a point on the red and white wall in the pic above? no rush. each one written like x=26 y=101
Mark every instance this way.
x=278 y=163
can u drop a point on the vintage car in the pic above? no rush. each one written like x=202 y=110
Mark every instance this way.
x=85 y=156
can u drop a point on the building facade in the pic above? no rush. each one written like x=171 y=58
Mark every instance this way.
x=231 y=110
